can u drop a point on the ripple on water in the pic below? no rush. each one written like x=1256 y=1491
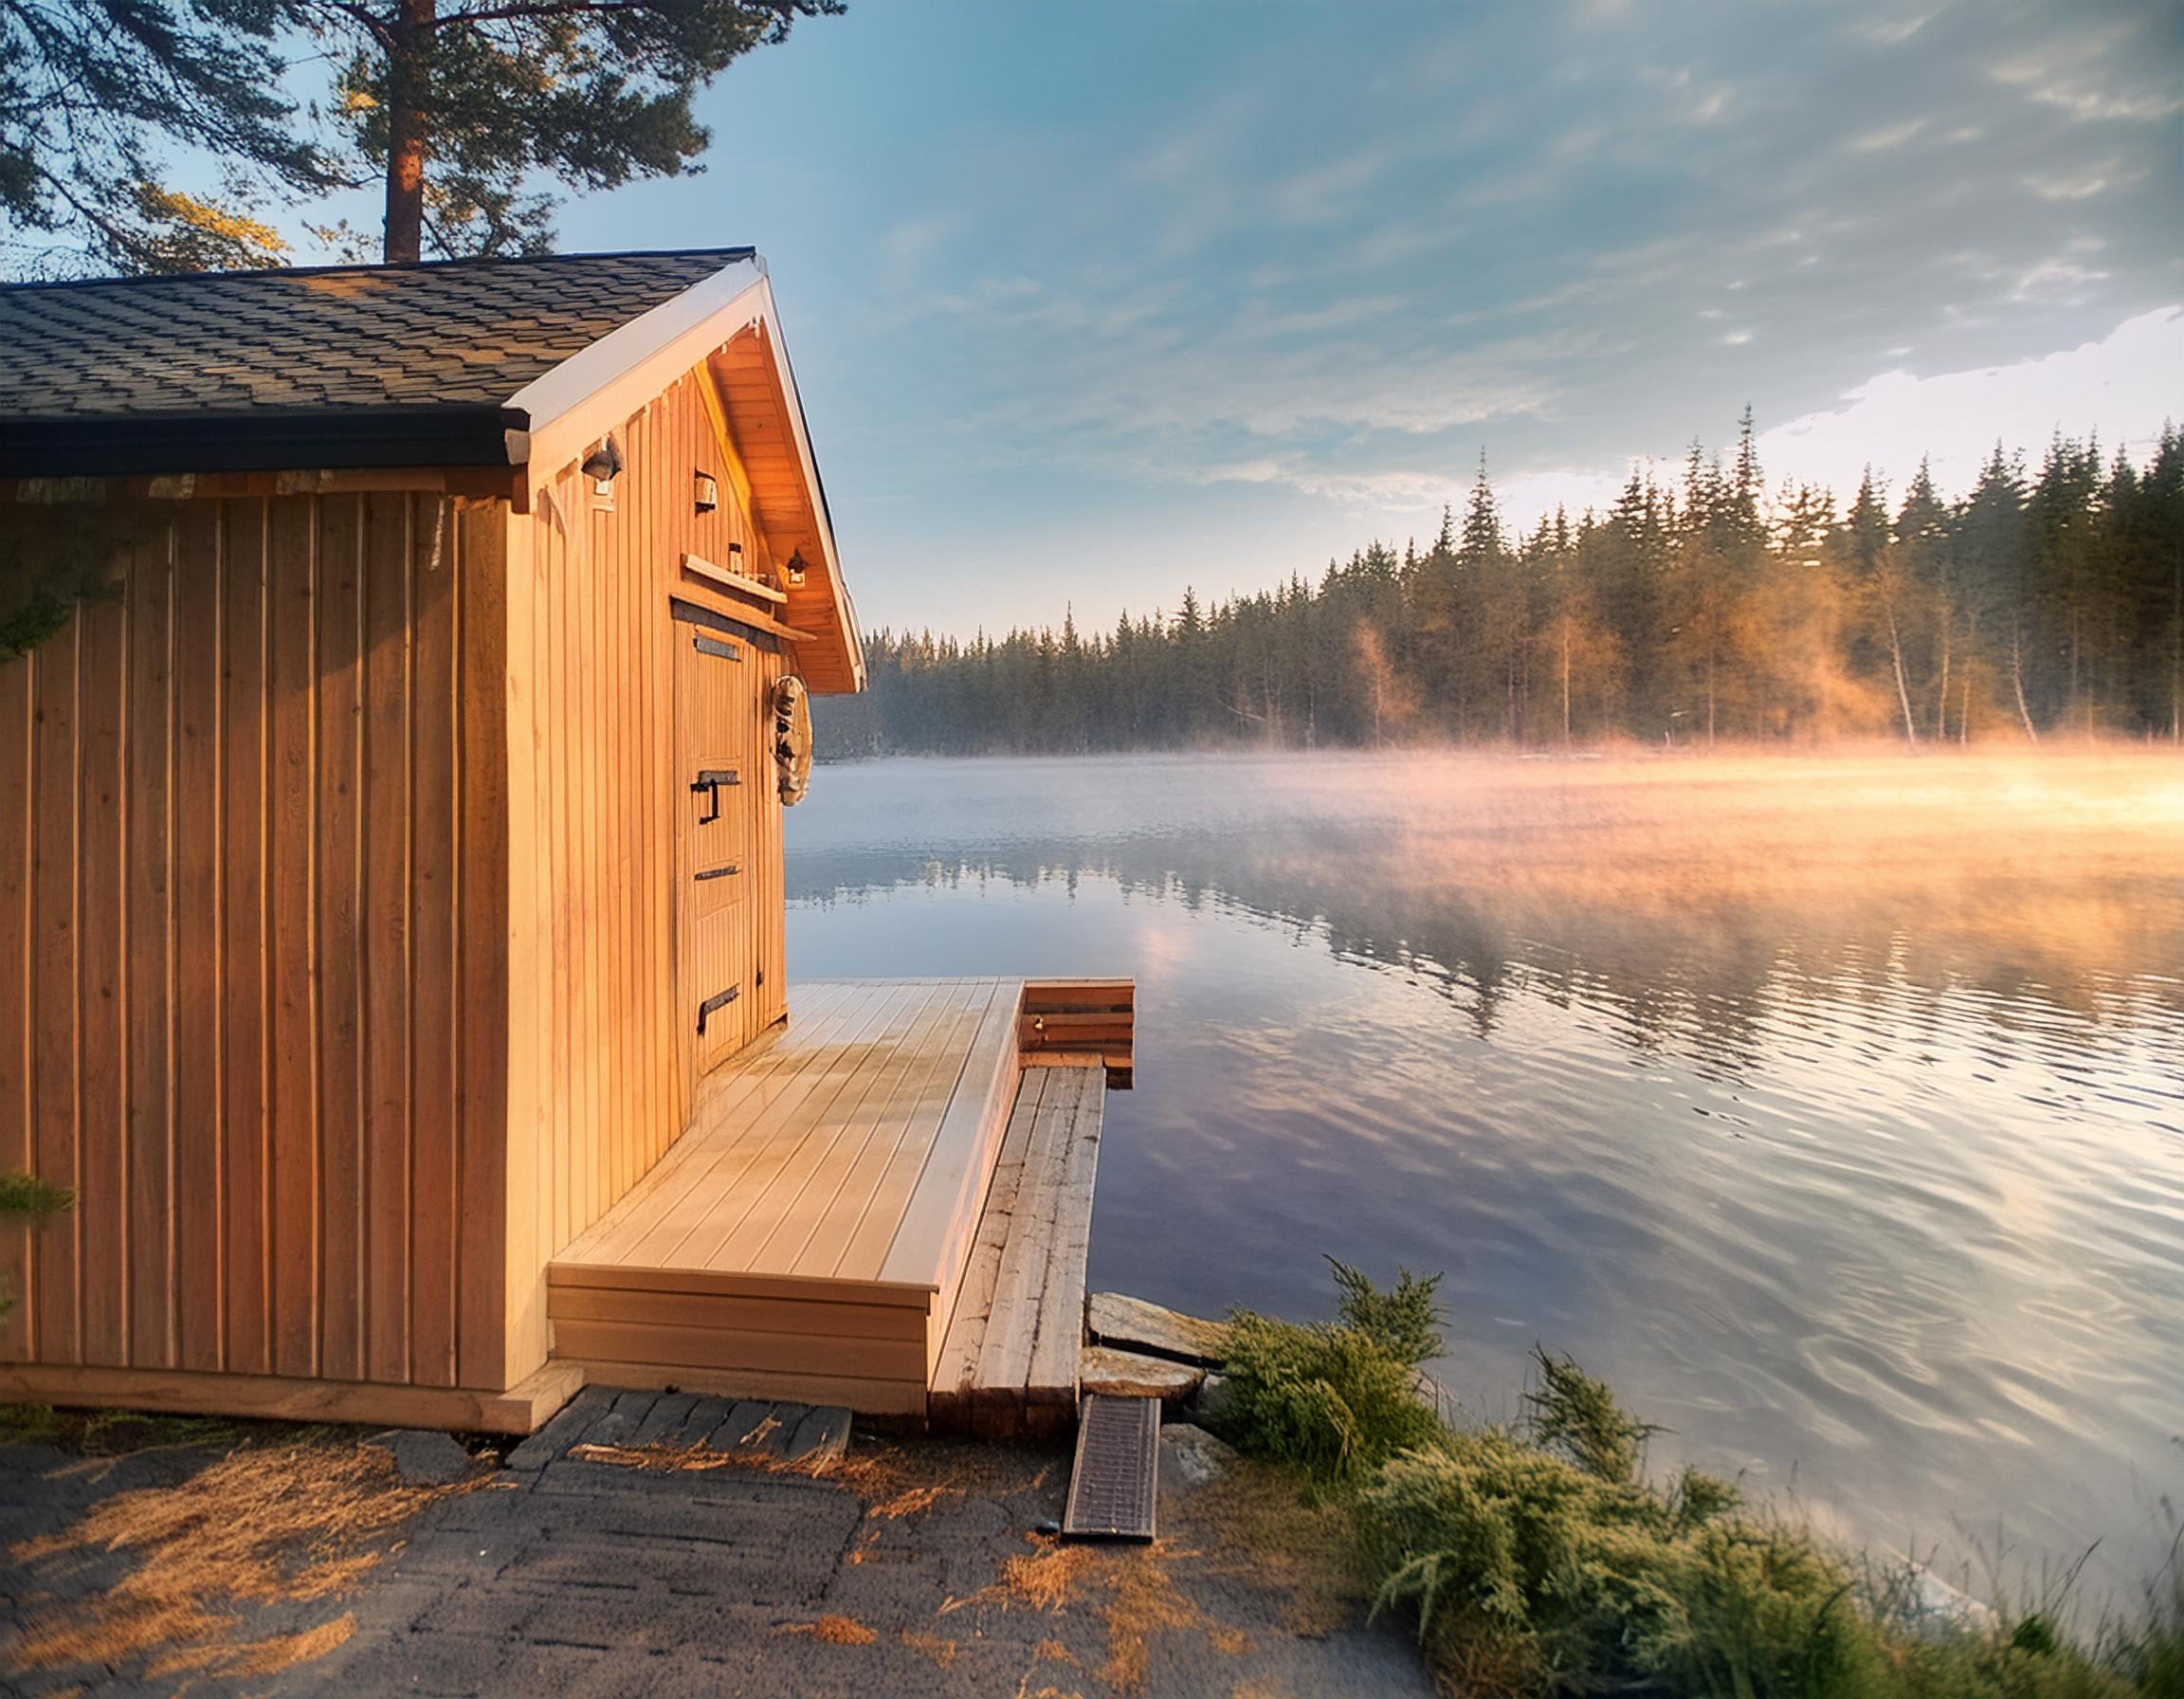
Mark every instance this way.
x=1863 y=1176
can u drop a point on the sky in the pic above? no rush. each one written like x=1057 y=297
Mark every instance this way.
x=1087 y=303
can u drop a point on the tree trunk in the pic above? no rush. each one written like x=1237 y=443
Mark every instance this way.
x=2018 y=680
x=1941 y=697
x=1565 y=684
x=408 y=86
x=2176 y=659
x=1903 y=688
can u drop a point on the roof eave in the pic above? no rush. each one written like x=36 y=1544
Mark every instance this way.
x=590 y=394
x=260 y=440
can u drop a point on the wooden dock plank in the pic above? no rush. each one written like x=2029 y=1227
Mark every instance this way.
x=650 y=1221
x=775 y=1146
x=879 y=1218
x=782 y=1212
x=941 y=1212
x=954 y=1374
x=1075 y=1098
x=1007 y=1364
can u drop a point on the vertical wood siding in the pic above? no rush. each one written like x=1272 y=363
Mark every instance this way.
x=252 y=924
x=602 y=1046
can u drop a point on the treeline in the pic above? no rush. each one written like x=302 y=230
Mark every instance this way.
x=1692 y=611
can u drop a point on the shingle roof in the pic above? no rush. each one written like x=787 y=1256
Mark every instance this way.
x=371 y=349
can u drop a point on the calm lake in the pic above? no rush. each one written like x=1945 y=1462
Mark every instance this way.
x=1833 y=1108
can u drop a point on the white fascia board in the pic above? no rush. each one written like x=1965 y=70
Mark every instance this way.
x=567 y=391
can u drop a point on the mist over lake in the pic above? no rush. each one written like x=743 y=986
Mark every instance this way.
x=1832 y=1108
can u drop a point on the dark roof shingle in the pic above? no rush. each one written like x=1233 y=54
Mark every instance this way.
x=339 y=340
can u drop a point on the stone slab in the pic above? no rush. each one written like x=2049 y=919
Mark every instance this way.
x=1130 y=1324
x=1130 y=1374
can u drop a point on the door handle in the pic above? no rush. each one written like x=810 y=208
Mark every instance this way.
x=710 y=779
x=718 y=1000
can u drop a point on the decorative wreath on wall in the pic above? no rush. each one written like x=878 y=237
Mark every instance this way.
x=793 y=738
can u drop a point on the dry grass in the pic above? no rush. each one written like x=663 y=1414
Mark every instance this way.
x=292 y=1520
x=1136 y=1591
x=1146 y=1602
x=658 y=1456
x=942 y=1653
x=834 y=1629
x=911 y=1501
x=1274 y=1534
x=1046 y=1577
x=268 y=1657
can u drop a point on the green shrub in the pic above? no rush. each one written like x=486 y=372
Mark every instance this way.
x=1560 y=1580
x=1538 y=1561
x=1331 y=1398
x=1406 y=1323
x=1577 y=1414
x=26 y=1198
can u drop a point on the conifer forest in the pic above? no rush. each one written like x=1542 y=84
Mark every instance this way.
x=2048 y=602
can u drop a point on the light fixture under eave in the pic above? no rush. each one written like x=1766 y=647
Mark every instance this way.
x=795 y=569
x=603 y=465
x=709 y=494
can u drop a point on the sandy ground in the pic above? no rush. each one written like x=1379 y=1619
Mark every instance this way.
x=278 y=1561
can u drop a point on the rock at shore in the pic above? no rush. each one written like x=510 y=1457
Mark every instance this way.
x=1128 y=1323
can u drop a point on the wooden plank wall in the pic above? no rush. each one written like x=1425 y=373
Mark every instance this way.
x=252 y=894
x=601 y=1058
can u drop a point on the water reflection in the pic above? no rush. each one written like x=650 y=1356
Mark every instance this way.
x=1685 y=902
x=1830 y=1108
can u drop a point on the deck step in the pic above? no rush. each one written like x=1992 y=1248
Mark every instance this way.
x=1114 y=1484
x=1009 y=1361
x=803 y=1236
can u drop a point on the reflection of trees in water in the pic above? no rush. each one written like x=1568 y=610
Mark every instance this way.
x=1724 y=978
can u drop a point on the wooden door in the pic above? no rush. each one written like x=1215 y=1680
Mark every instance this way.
x=715 y=783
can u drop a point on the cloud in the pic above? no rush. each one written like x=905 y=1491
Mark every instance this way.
x=2076 y=185
x=1324 y=192
x=1892 y=136
x=2123 y=386
x=2097 y=73
x=1323 y=262
x=1890 y=33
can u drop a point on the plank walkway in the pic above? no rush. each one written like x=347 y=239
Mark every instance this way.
x=1007 y=1364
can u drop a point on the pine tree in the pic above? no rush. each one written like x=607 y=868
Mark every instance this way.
x=94 y=94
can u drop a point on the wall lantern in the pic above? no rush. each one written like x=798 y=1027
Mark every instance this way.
x=795 y=569
x=708 y=492
x=603 y=465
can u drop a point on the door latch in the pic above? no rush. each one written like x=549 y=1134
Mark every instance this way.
x=710 y=779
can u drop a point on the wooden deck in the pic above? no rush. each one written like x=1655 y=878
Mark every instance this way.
x=807 y=1236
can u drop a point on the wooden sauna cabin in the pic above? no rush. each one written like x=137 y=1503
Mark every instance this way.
x=390 y=866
